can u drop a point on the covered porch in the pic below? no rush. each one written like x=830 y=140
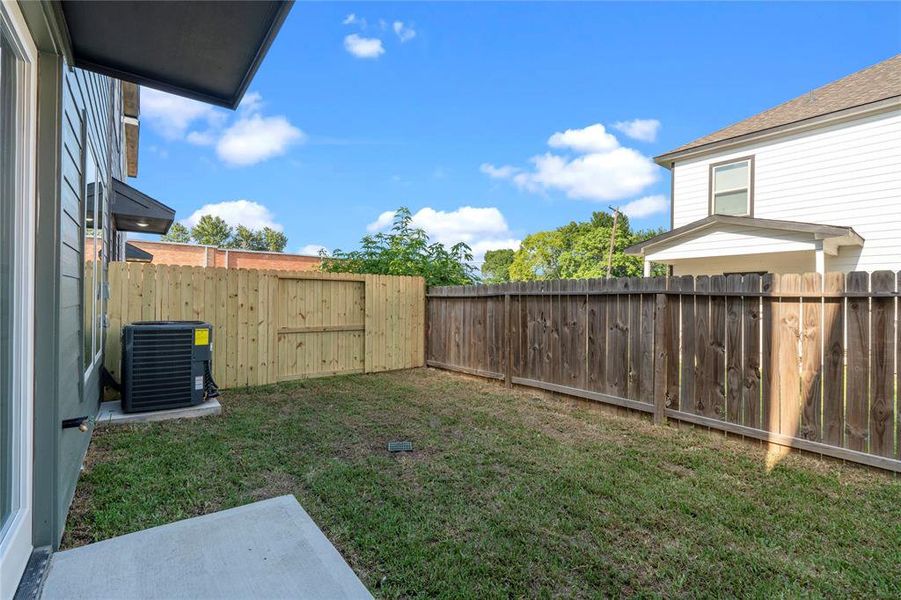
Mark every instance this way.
x=722 y=244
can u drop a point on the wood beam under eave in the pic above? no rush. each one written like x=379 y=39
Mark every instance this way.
x=132 y=134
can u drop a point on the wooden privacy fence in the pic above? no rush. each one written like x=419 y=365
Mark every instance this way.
x=791 y=359
x=271 y=326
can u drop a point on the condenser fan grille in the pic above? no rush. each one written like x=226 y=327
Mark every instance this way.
x=161 y=369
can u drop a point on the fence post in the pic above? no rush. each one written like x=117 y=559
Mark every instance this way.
x=508 y=359
x=661 y=356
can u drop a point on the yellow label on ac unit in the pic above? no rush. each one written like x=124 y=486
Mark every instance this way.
x=201 y=337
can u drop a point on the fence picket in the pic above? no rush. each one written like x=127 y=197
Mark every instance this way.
x=882 y=393
x=704 y=358
x=750 y=393
x=789 y=375
x=717 y=352
x=834 y=361
x=647 y=352
x=733 y=350
x=811 y=358
x=688 y=394
x=857 y=401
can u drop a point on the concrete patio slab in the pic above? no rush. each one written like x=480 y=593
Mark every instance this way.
x=268 y=549
x=111 y=413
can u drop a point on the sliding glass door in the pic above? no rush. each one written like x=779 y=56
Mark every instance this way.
x=17 y=208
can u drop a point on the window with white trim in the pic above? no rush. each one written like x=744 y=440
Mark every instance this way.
x=731 y=193
x=94 y=193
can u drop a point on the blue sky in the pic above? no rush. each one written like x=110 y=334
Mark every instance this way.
x=363 y=107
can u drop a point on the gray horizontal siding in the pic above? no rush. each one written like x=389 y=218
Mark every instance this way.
x=90 y=119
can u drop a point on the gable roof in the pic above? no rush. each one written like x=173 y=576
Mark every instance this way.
x=818 y=230
x=878 y=82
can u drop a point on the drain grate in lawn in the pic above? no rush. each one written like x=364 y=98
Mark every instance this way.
x=505 y=493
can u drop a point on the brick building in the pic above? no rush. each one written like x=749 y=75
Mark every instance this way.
x=173 y=253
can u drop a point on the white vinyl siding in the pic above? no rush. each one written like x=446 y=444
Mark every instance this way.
x=847 y=174
x=732 y=240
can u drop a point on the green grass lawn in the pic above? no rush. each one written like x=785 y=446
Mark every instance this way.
x=508 y=493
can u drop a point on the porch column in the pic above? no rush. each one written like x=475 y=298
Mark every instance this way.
x=820 y=260
x=647 y=268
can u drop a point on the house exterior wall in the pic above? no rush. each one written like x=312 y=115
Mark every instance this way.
x=77 y=110
x=170 y=253
x=781 y=262
x=733 y=240
x=845 y=174
x=92 y=98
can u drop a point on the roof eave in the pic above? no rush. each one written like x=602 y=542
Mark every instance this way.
x=126 y=40
x=842 y=236
x=848 y=114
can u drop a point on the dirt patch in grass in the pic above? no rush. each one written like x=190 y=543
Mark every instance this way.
x=275 y=483
x=507 y=493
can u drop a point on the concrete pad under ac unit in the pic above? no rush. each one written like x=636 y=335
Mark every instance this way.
x=111 y=413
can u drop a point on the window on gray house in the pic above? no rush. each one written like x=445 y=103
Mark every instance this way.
x=93 y=265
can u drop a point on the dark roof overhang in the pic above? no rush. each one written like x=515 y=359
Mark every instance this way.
x=844 y=235
x=135 y=254
x=207 y=51
x=133 y=210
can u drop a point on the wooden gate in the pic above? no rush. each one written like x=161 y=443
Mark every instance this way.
x=272 y=326
x=321 y=327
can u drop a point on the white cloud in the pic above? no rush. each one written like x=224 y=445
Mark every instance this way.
x=236 y=212
x=382 y=222
x=602 y=170
x=312 y=249
x=404 y=33
x=593 y=138
x=644 y=207
x=644 y=130
x=201 y=138
x=363 y=47
x=256 y=138
x=171 y=116
x=252 y=102
x=604 y=176
x=482 y=229
x=504 y=172
x=349 y=19
x=249 y=138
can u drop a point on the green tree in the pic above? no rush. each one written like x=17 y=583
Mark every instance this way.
x=579 y=250
x=274 y=241
x=538 y=257
x=405 y=250
x=496 y=268
x=245 y=238
x=212 y=231
x=178 y=233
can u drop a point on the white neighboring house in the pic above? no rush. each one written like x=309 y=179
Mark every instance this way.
x=813 y=184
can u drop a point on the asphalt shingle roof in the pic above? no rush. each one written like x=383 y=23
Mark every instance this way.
x=879 y=82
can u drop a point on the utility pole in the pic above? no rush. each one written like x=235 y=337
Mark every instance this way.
x=612 y=241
